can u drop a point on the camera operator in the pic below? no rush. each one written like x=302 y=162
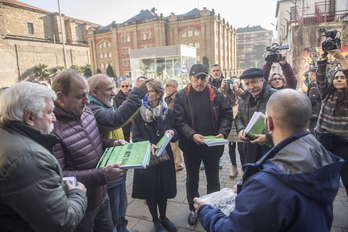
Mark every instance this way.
x=277 y=81
x=332 y=126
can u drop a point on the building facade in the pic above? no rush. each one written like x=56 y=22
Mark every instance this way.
x=251 y=46
x=29 y=36
x=299 y=24
x=213 y=38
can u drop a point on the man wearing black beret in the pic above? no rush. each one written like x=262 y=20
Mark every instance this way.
x=254 y=99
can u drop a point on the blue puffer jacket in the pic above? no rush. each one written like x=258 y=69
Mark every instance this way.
x=291 y=188
x=79 y=151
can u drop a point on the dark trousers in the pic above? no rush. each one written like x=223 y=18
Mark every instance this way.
x=210 y=157
x=98 y=219
x=253 y=152
x=339 y=148
x=232 y=152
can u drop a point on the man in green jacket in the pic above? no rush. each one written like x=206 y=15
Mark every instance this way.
x=31 y=187
x=110 y=122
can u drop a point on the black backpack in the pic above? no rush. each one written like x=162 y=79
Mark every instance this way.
x=314 y=96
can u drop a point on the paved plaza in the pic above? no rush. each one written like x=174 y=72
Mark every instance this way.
x=140 y=218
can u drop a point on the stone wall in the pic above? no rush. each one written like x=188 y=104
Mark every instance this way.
x=18 y=58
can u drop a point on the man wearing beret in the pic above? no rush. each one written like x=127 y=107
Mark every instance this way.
x=254 y=99
x=201 y=110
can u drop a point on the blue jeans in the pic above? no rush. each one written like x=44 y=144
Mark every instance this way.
x=118 y=205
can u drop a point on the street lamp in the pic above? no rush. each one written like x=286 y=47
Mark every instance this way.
x=63 y=37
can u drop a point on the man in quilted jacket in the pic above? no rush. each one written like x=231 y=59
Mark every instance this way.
x=80 y=148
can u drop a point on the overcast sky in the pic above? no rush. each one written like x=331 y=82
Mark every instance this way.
x=239 y=13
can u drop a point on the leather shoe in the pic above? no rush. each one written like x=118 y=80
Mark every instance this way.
x=192 y=219
x=158 y=227
x=168 y=225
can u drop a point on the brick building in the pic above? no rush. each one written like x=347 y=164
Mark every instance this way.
x=213 y=38
x=30 y=35
x=251 y=46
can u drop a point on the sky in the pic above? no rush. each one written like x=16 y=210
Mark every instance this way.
x=239 y=13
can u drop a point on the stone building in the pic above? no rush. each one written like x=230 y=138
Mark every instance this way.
x=251 y=46
x=29 y=36
x=213 y=38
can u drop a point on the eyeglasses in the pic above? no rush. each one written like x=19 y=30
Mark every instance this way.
x=277 y=79
x=124 y=86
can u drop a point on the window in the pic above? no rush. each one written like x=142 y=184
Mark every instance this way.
x=146 y=36
x=126 y=63
x=31 y=28
x=196 y=45
x=101 y=55
x=125 y=39
x=125 y=51
x=110 y=55
x=78 y=38
x=184 y=35
x=198 y=58
x=196 y=33
x=189 y=33
x=102 y=66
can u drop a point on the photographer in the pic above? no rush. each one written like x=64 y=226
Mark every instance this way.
x=332 y=125
x=277 y=81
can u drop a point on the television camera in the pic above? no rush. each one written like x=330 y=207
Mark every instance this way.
x=331 y=42
x=274 y=55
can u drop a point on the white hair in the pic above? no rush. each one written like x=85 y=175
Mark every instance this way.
x=23 y=97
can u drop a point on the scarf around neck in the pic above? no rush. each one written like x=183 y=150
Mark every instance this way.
x=149 y=113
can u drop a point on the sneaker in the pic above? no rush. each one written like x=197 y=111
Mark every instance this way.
x=158 y=227
x=192 y=218
x=168 y=225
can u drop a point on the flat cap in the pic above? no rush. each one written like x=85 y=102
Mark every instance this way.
x=252 y=73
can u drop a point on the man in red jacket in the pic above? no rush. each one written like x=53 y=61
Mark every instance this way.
x=81 y=147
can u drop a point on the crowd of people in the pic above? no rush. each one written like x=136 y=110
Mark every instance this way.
x=62 y=131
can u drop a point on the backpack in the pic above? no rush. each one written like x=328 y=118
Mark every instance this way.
x=314 y=96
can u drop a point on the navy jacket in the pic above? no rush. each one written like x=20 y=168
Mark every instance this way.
x=291 y=188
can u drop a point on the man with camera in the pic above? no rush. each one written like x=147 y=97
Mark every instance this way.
x=278 y=81
x=254 y=99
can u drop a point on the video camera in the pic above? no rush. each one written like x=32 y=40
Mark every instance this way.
x=332 y=42
x=274 y=56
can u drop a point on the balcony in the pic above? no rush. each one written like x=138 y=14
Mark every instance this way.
x=324 y=12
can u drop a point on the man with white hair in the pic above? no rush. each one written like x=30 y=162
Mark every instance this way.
x=31 y=193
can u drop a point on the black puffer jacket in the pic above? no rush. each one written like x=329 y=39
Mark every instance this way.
x=246 y=111
x=184 y=115
x=31 y=192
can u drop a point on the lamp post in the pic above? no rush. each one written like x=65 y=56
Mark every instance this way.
x=63 y=37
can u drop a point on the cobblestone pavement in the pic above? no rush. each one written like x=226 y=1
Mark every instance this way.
x=139 y=216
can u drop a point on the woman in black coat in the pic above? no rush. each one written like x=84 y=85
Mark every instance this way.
x=157 y=183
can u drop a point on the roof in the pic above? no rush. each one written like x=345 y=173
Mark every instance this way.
x=144 y=14
x=30 y=7
x=194 y=11
x=250 y=29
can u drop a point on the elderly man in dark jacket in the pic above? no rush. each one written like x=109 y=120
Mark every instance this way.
x=254 y=99
x=31 y=191
x=201 y=110
x=81 y=147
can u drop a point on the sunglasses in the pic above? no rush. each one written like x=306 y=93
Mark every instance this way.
x=277 y=79
x=124 y=86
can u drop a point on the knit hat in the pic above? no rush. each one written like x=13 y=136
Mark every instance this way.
x=252 y=73
x=198 y=69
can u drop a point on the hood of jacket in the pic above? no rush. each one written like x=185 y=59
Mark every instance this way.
x=303 y=164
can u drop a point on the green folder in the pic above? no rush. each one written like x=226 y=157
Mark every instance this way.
x=131 y=156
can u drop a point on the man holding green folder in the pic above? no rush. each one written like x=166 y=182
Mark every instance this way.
x=254 y=99
x=201 y=110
